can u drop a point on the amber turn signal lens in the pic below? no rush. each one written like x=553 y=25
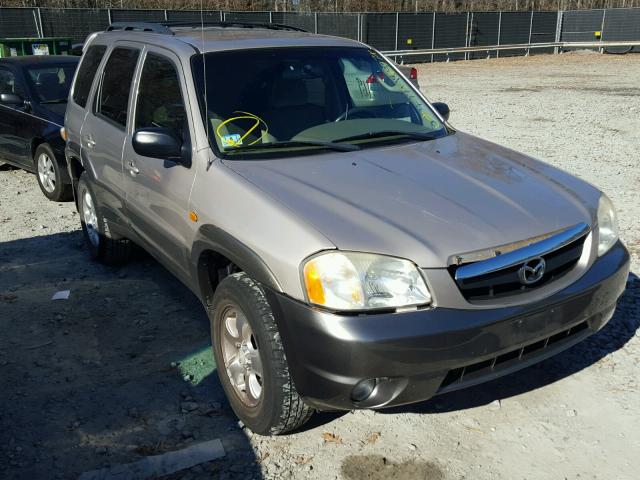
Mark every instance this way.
x=193 y=216
x=63 y=134
x=313 y=283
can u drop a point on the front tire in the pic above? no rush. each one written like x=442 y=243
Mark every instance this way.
x=103 y=247
x=250 y=359
x=50 y=175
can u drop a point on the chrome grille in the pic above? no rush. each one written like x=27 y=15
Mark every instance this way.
x=498 y=276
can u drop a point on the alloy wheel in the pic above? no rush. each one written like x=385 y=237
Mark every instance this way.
x=241 y=356
x=90 y=218
x=46 y=173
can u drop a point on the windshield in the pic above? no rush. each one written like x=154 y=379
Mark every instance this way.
x=52 y=83
x=288 y=101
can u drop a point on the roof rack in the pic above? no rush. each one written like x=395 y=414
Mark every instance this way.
x=165 y=27
x=269 y=26
x=139 y=27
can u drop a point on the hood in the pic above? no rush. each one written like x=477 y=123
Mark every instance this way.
x=425 y=201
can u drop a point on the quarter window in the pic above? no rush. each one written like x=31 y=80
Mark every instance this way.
x=113 y=97
x=160 y=102
x=86 y=73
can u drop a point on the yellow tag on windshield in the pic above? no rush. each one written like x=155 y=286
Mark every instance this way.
x=232 y=140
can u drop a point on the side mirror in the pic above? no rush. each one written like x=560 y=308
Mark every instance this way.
x=11 y=99
x=158 y=142
x=442 y=108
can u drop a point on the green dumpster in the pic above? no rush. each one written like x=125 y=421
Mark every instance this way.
x=17 y=47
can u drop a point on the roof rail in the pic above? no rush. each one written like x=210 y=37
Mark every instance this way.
x=139 y=27
x=269 y=26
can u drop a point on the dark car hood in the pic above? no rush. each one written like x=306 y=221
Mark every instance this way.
x=425 y=201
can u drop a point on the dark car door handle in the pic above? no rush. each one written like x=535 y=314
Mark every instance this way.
x=133 y=170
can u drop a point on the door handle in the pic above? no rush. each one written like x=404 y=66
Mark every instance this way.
x=133 y=170
x=89 y=142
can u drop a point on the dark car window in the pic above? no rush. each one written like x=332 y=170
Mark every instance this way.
x=9 y=84
x=52 y=83
x=160 y=102
x=86 y=73
x=114 y=92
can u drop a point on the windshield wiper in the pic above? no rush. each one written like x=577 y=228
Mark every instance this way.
x=51 y=102
x=389 y=133
x=340 y=147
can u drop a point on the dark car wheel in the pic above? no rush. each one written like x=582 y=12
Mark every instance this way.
x=252 y=366
x=50 y=175
x=617 y=50
x=102 y=246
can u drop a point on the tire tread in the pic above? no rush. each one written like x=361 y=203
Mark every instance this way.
x=293 y=412
x=110 y=251
x=63 y=191
x=116 y=251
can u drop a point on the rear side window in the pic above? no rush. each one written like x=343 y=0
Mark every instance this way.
x=87 y=71
x=113 y=97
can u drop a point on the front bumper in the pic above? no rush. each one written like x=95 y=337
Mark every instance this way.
x=416 y=355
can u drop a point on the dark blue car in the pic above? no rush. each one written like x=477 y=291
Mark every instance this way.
x=33 y=100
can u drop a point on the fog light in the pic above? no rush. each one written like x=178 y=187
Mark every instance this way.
x=363 y=390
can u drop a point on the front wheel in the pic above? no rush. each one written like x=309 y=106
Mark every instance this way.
x=250 y=359
x=50 y=175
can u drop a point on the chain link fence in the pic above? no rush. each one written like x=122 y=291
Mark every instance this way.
x=384 y=31
x=19 y=22
x=76 y=23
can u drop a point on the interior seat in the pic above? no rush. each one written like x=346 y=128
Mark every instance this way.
x=290 y=111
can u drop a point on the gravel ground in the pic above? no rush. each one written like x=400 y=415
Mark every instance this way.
x=121 y=369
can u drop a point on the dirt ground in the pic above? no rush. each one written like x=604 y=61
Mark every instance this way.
x=122 y=369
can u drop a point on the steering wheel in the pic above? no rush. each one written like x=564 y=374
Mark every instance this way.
x=357 y=112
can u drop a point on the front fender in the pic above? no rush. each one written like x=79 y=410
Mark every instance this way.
x=214 y=239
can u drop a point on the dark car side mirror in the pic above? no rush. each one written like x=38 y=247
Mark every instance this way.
x=443 y=109
x=158 y=142
x=11 y=99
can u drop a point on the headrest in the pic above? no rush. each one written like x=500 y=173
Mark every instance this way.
x=288 y=93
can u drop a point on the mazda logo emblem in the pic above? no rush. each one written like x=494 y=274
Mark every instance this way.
x=532 y=271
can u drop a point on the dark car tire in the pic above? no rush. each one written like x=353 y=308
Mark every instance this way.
x=617 y=50
x=51 y=177
x=279 y=408
x=102 y=246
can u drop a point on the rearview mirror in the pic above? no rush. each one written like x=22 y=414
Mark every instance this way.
x=443 y=109
x=11 y=99
x=157 y=142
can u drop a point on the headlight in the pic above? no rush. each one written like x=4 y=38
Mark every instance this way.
x=362 y=281
x=607 y=225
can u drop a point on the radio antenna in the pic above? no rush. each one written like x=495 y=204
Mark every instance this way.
x=204 y=73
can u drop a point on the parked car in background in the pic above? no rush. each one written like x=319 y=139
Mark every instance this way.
x=33 y=99
x=76 y=49
x=411 y=73
x=351 y=248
